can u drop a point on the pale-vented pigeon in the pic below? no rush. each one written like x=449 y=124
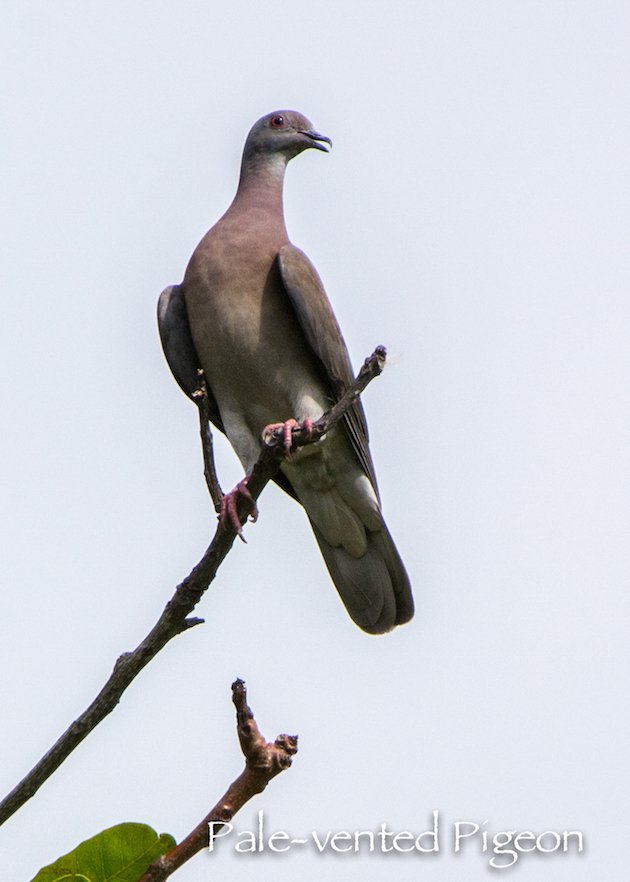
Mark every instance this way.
x=252 y=312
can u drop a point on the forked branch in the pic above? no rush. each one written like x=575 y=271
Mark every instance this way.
x=175 y=617
x=263 y=761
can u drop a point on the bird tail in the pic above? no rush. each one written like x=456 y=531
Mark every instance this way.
x=375 y=587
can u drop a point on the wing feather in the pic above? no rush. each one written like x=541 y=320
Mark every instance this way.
x=323 y=334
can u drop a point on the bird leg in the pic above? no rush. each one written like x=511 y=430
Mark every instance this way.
x=269 y=432
x=229 y=505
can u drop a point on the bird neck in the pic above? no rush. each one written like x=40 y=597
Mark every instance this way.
x=261 y=183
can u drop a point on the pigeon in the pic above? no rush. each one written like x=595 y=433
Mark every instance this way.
x=252 y=313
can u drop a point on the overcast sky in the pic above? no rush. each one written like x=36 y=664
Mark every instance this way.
x=474 y=217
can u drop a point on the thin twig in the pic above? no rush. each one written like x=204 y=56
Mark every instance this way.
x=263 y=761
x=200 y=397
x=372 y=367
x=175 y=617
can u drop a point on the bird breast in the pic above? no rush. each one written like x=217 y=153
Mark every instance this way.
x=249 y=342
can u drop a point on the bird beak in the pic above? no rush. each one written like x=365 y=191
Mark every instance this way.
x=316 y=138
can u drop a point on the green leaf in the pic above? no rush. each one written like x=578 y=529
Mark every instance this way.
x=118 y=854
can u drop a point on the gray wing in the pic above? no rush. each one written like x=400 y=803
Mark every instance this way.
x=178 y=346
x=323 y=335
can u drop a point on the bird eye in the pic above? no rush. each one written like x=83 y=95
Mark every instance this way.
x=277 y=122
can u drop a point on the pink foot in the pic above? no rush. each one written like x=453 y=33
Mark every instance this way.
x=229 y=505
x=269 y=432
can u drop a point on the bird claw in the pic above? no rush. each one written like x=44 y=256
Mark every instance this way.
x=228 y=511
x=269 y=433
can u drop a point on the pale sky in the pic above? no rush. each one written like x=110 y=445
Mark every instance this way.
x=474 y=217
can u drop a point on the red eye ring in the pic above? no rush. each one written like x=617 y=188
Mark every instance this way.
x=277 y=122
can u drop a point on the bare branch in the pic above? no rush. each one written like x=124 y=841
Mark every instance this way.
x=174 y=619
x=263 y=761
x=200 y=397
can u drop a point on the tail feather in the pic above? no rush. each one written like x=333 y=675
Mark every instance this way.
x=375 y=587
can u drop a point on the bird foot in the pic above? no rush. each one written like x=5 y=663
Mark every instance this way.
x=269 y=433
x=229 y=507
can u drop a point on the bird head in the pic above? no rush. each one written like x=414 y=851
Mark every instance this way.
x=283 y=133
